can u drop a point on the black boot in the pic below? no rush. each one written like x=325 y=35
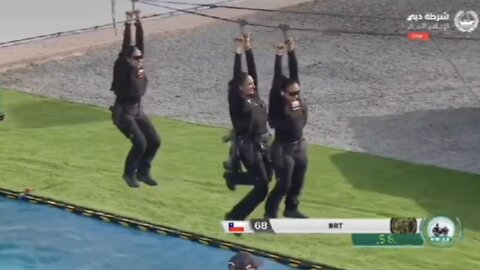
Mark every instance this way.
x=147 y=179
x=131 y=181
x=269 y=213
x=226 y=166
x=269 y=216
x=229 y=181
x=291 y=208
x=293 y=214
x=233 y=165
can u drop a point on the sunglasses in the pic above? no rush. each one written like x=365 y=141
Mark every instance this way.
x=294 y=94
x=140 y=57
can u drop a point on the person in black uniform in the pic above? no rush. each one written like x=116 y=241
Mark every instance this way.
x=288 y=115
x=244 y=261
x=234 y=163
x=129 y=85
x=250 y=120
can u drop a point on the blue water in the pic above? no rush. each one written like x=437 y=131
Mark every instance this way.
x=38 y=237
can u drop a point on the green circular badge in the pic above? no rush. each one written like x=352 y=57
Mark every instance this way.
x=441 y=231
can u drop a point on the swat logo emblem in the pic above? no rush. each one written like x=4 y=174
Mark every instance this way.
x=440 y=231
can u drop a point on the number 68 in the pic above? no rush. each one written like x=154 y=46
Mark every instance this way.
x=261 y=225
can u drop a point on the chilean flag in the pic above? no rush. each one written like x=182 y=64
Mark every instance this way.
x=232 y=227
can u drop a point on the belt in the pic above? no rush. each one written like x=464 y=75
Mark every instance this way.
x=261 y=141
x=261 y=137
x=294 y=142
x=127 y=106
x=255 y=137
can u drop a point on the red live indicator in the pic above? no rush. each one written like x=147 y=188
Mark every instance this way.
x=422 y=36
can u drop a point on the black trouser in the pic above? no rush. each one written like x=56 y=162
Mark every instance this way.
x=255 y=156
x=233 y=162
x=136 y=126
x=290 y=164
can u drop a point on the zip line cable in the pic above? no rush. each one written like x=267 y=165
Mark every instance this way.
x=92 y=28
x=221 y=5
x=281 y=11
x=148 y=2
x=71 y=32
x=370 y=33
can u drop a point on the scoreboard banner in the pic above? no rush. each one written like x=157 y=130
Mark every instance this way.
x=315 y=226
x=365 y=232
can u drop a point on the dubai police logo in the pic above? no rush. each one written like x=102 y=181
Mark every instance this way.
x=466 y=21
x=440 y=231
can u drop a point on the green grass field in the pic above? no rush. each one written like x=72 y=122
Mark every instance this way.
x=73 y=153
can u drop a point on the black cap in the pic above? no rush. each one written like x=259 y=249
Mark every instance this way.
x=244 y=261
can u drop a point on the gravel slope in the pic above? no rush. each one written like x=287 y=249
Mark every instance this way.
x=382 y=95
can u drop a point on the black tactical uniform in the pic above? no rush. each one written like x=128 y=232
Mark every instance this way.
x=129 y=85
x=250 y=120
x=289 y=149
